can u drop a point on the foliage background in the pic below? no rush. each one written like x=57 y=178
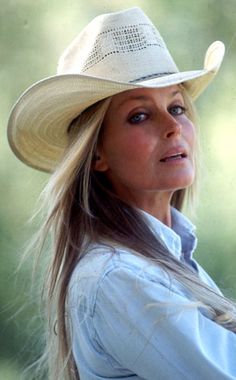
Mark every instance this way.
x=33 y=33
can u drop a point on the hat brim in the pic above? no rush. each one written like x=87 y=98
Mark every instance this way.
x=38 y=123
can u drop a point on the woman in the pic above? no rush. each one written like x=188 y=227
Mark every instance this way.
x=116 y=127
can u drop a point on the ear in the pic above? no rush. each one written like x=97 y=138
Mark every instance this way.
x=100 y=163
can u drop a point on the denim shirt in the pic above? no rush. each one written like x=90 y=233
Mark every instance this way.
x=129 y=319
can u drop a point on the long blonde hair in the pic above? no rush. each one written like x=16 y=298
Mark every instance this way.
x=80 y=202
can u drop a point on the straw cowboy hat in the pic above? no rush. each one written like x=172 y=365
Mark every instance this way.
x=113 y=53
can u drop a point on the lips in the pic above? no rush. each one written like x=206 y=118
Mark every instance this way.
x=174 y=154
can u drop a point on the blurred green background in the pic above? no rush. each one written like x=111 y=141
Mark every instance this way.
x=33 y=33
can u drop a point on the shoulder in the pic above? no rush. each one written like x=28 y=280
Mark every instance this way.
x=100 y=260
x=103 y=265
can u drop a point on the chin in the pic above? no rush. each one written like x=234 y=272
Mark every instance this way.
x=184 y=185
x=180 y=185
x=182 y=182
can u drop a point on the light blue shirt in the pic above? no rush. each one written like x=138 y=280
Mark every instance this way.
x=129 y=320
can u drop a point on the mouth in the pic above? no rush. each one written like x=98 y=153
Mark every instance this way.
x=174 y=157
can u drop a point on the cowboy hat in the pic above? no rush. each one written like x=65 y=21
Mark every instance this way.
x=115 y=52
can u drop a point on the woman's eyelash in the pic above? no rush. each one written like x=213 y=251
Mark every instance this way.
x=177 y=110
x=137 y=118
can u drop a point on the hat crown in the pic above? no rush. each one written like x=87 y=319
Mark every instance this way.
x=123 y=46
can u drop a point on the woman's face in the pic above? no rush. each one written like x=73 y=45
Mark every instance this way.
x=146 y=145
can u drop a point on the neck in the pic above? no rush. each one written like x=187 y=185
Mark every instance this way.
x=157 y=205
x=161 y=213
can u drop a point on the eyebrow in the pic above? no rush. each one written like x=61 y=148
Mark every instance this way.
x=144 y=97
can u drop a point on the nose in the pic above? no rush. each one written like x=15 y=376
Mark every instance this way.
x=170 y=126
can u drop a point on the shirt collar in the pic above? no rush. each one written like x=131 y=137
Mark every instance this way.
x=180 y=240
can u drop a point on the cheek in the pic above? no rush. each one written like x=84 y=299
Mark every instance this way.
x=130 y=149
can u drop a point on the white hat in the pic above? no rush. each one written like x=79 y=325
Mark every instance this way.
x=115 y=52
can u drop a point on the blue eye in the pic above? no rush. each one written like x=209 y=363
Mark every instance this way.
x=138 y=118
x=177 y=110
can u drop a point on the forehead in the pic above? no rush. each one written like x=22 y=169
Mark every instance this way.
x=146 y=94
